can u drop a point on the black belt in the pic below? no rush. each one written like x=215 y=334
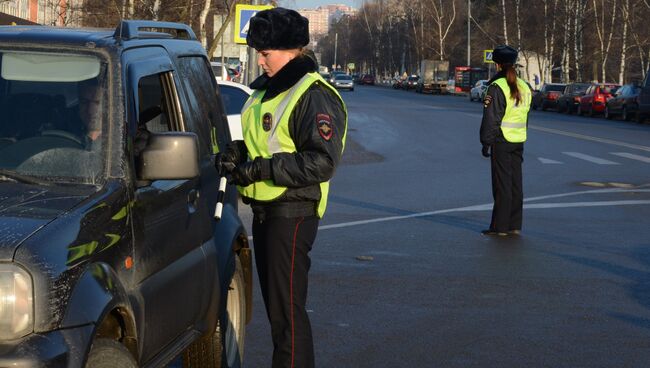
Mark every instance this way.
x=283 y=209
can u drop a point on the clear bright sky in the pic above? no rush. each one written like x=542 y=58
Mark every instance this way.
x=313 y=4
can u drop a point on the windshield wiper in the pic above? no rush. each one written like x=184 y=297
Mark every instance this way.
x=20 y=178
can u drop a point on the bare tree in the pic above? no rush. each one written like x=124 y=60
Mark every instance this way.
x=505 y=23
x=605 y=31
x=443 y=20
x=625 y=13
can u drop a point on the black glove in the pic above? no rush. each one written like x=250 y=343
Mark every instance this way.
x=234 y=154
x=486 y=151
x=250 y=172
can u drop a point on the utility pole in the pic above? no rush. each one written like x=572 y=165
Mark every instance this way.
x=252 y=71
x=336 y=44
x=469 y=19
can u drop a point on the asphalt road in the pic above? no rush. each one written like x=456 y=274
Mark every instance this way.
x=402 y=277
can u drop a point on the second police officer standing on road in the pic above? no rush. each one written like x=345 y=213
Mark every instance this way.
x=294 y=126
x=503 y=133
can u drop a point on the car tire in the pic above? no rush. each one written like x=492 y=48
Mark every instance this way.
x=624 y=115
x=543 y=106
x=590 y=113
x=639 y=118
x=579 y=110
x=351 y=89
x=108 y=353
x=608 y=115
x=224 y=347
x=568 y=109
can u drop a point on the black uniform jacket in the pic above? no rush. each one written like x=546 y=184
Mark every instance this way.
x=318 y=151
x=494 y=108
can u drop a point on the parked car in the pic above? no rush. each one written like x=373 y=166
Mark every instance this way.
x=223 y=72
x=644 y=100
x=344 y=81
x=478 y=91
x=548 y=95
x=595 y=98
x=625 y=102
x=234 y=96
x=569 y=101
x=110 y=254
x=451 y=86
x=397 y=83
x=410 y=82
x=367 y=79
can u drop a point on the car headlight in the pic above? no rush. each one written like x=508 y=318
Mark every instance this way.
x=16 y=302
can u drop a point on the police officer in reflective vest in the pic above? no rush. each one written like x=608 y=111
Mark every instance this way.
x=294 y=126
x=503 y=133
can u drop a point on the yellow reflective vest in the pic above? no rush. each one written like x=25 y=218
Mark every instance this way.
x=265 y=126
x=515 y=119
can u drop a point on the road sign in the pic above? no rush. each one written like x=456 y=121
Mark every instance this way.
x=351 y=66
x=243 y=15
x=487 y=56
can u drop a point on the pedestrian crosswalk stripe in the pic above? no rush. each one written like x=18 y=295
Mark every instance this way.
x=632 y=156
x=548 y=161
x=596 y=160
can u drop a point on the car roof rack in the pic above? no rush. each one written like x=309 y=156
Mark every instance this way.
x=147 y=29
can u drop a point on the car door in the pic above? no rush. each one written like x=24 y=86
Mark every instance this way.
x=170 y=265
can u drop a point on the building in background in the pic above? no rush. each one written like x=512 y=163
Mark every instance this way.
x=321 y=17
x=47 y=12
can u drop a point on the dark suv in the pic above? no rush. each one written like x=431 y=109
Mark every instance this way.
x=644 y=100
x=110 y=254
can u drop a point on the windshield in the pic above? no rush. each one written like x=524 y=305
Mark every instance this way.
x=608 y=89
x=53 y=113
x=343 y=77
x=554 y=88
x=580 y=87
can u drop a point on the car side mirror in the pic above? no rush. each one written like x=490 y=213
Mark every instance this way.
x=169 y=156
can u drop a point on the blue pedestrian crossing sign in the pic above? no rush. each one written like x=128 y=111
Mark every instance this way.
x=243 y=15
x=487 y=56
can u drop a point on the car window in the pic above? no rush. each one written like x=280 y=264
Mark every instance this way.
x=204 y=116
x=343 y=77
x=580 y=87
x=608 y=89
x=555 y=88
x=53 y=124
x=233 y=99
x=153 y=110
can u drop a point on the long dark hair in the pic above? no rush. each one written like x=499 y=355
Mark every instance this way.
x=511 y=78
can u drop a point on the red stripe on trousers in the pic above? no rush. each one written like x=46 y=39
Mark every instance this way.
x=293 y=256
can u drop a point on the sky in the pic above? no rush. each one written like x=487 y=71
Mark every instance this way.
x=313 y=4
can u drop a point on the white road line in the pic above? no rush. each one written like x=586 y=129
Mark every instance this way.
x=488 y=206
x=590 y=138
x=548 y=161
x=632 y=156
x=596 y=160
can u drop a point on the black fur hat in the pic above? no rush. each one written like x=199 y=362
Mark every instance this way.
x=504 y=54
x=278 y=29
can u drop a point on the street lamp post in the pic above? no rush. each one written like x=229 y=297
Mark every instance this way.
x=469 y=19
x=336 y=44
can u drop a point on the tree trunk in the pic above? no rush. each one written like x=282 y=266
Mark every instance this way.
x=156 y=9
x=625 y=8
x=202 y=23
x=505 y=24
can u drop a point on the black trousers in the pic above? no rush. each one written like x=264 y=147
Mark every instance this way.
x=507 y=187
x=282 y=248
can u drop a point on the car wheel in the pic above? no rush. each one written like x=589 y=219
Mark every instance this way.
x=225 y=346
x=108 y=353
x=471 y=99
x=568 y=109
x=351 y=89
x=579 y=110
x=543 y=106
x=608 y=115
x=639 y=118
x=590 y=113
x=624 y=114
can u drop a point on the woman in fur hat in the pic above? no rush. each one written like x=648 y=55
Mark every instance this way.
x=294 y=128
x=503 y=133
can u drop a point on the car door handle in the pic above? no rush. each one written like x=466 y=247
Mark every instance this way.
x=193 y=200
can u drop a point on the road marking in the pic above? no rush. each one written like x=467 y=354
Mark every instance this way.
x=590 y=138
x=596 y=160
x=632 y=156
x=488 y=206
x=548 y=161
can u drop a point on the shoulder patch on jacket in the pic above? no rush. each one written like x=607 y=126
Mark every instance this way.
x=324 y=124
x=487 y=101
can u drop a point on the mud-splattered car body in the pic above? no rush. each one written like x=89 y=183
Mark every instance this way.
x=105 y=237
